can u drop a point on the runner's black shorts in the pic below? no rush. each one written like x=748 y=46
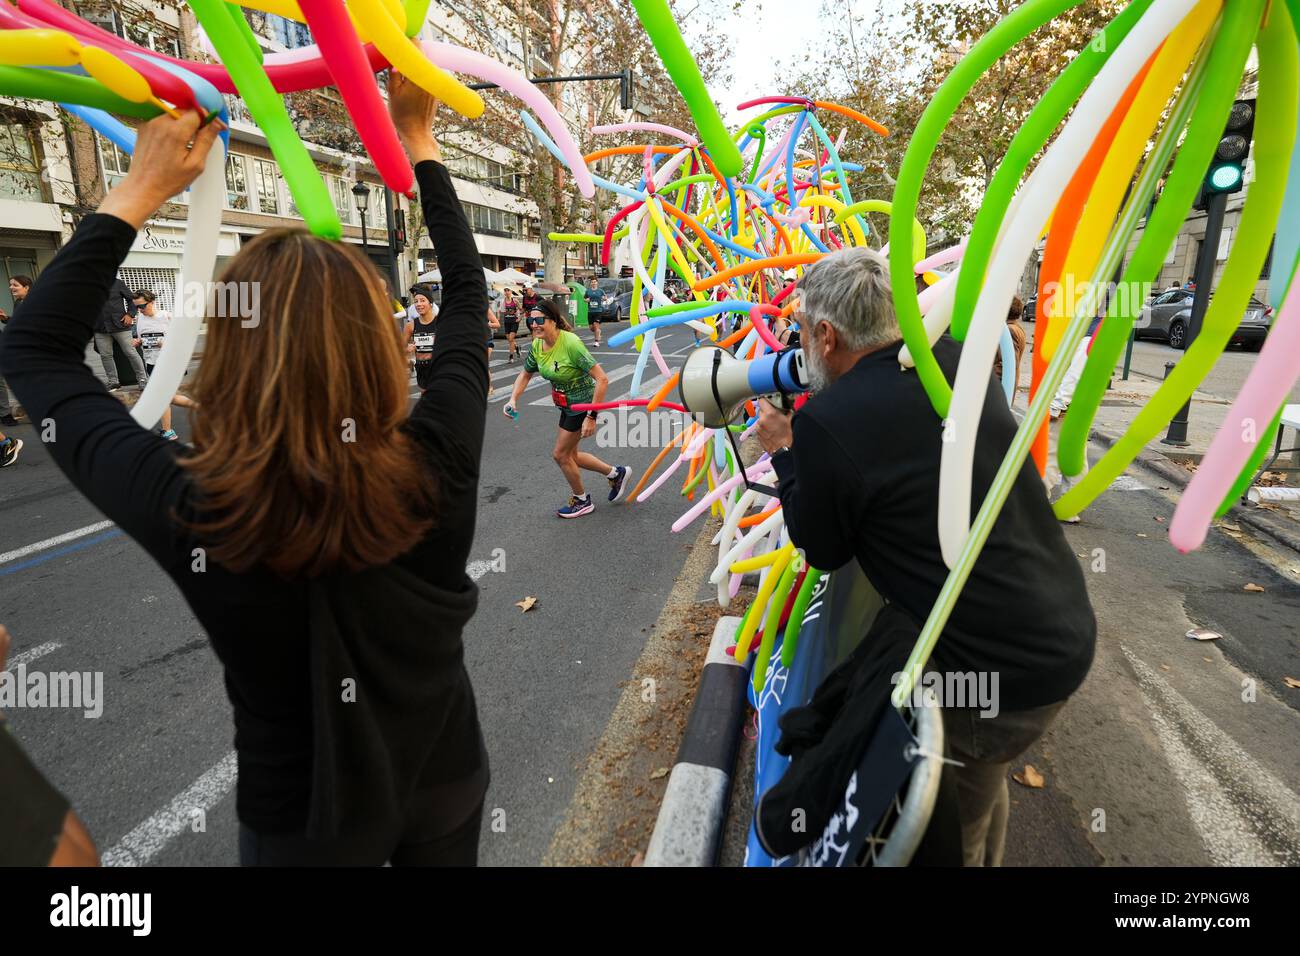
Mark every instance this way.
x=424 y=374
x=512 y=326
x=570 y=420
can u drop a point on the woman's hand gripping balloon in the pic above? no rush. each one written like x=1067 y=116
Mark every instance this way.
x=169 y=155
x=413 y=111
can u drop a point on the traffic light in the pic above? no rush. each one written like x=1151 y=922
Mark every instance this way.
x=399 y=228
x=1227 y=172
x=625 y=89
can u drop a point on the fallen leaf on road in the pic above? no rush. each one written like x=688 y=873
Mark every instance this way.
x=1208 y=660
x=1164 y=667
x=661 y=772
x=1229 y=526
x=1029 y=777
x=639 y=859
x=527 y=604
x=1158 y=518
x=1141 y=535
x=1203 y=634
x=1253 y=588
x=1291 y=682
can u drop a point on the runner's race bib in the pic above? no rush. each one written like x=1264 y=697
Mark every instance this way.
x=559 y=398
x=151 y=344
x=424 y=342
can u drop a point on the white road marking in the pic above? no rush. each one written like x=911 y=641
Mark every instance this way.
x=54 y=542
x=1244 y=814
x=1128 y=483
x=31 y=654
x=149 y=838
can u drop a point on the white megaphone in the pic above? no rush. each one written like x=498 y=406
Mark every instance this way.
x=714 y=382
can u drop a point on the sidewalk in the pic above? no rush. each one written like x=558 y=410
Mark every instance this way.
x=1121 y=405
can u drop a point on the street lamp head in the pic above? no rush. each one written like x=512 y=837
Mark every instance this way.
x=361 y=195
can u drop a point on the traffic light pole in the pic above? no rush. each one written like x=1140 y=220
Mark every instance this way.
x=1215 y=206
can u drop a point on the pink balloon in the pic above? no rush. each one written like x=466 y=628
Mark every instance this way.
x=687 y=138
x=1266 y=388
x=341 y=49
x=460 y=60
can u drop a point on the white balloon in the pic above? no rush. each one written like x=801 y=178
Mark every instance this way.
x=202 y=231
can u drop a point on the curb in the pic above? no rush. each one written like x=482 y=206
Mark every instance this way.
x=688 y=831
x=1282 y=532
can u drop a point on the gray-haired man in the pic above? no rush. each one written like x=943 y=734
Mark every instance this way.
x=859 y=478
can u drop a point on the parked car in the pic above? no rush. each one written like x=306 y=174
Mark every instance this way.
x=1031 y=307
x=1168 y=317
x=605 y=308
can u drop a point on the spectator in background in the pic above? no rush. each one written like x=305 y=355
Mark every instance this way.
x=1191 y=283
x=18 y=287
x=151 y=328
x=1018 y=340
x=115 y=323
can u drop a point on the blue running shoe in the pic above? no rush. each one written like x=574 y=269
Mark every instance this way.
x=618 y=484
x=577 y=507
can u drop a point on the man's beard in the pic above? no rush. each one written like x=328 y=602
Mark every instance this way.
x=818 y=375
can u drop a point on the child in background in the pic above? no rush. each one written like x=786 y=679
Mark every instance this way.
x=151 y=327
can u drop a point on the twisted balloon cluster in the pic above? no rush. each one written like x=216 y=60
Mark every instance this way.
x=745 y=212
x=49 y=53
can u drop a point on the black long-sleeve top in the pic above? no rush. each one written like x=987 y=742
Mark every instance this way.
x=308 y=758
x=862 y=481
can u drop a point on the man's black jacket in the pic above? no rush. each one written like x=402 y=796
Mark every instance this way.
x=862 y=481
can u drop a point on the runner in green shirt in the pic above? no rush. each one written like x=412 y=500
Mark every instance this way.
x=575 y=378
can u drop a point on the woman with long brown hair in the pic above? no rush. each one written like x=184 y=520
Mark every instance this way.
x=324 y=552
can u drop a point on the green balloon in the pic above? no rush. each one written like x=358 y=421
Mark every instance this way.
x=1275 y=133
x=662 y=28
x=54 y=85
x=1010 y=30
x=416 y=11
x=1227 y=59
x=267 y=107
x=1032 y=136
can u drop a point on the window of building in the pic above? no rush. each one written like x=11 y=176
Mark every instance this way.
x=290 y=207
x=115 y=163
x=104 y=17
x=495 y=222
x=155 y=37
x=236 y=182
x=341 y=191
x=288 y=32
x=268 y=195
x=480 y=169
x=20 y=173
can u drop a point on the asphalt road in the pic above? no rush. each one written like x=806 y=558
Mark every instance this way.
x=546 y=681
x=1175 y=751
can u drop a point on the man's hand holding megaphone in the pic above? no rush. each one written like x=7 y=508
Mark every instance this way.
x=774 y=431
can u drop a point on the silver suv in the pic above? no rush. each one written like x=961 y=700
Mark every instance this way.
x=1169 y=314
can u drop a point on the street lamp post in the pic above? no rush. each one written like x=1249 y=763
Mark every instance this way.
x=361 y=196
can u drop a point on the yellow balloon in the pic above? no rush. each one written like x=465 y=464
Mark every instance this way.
x=38 y=48
x=116 y=75
x=409 y=60
x=829 y=202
